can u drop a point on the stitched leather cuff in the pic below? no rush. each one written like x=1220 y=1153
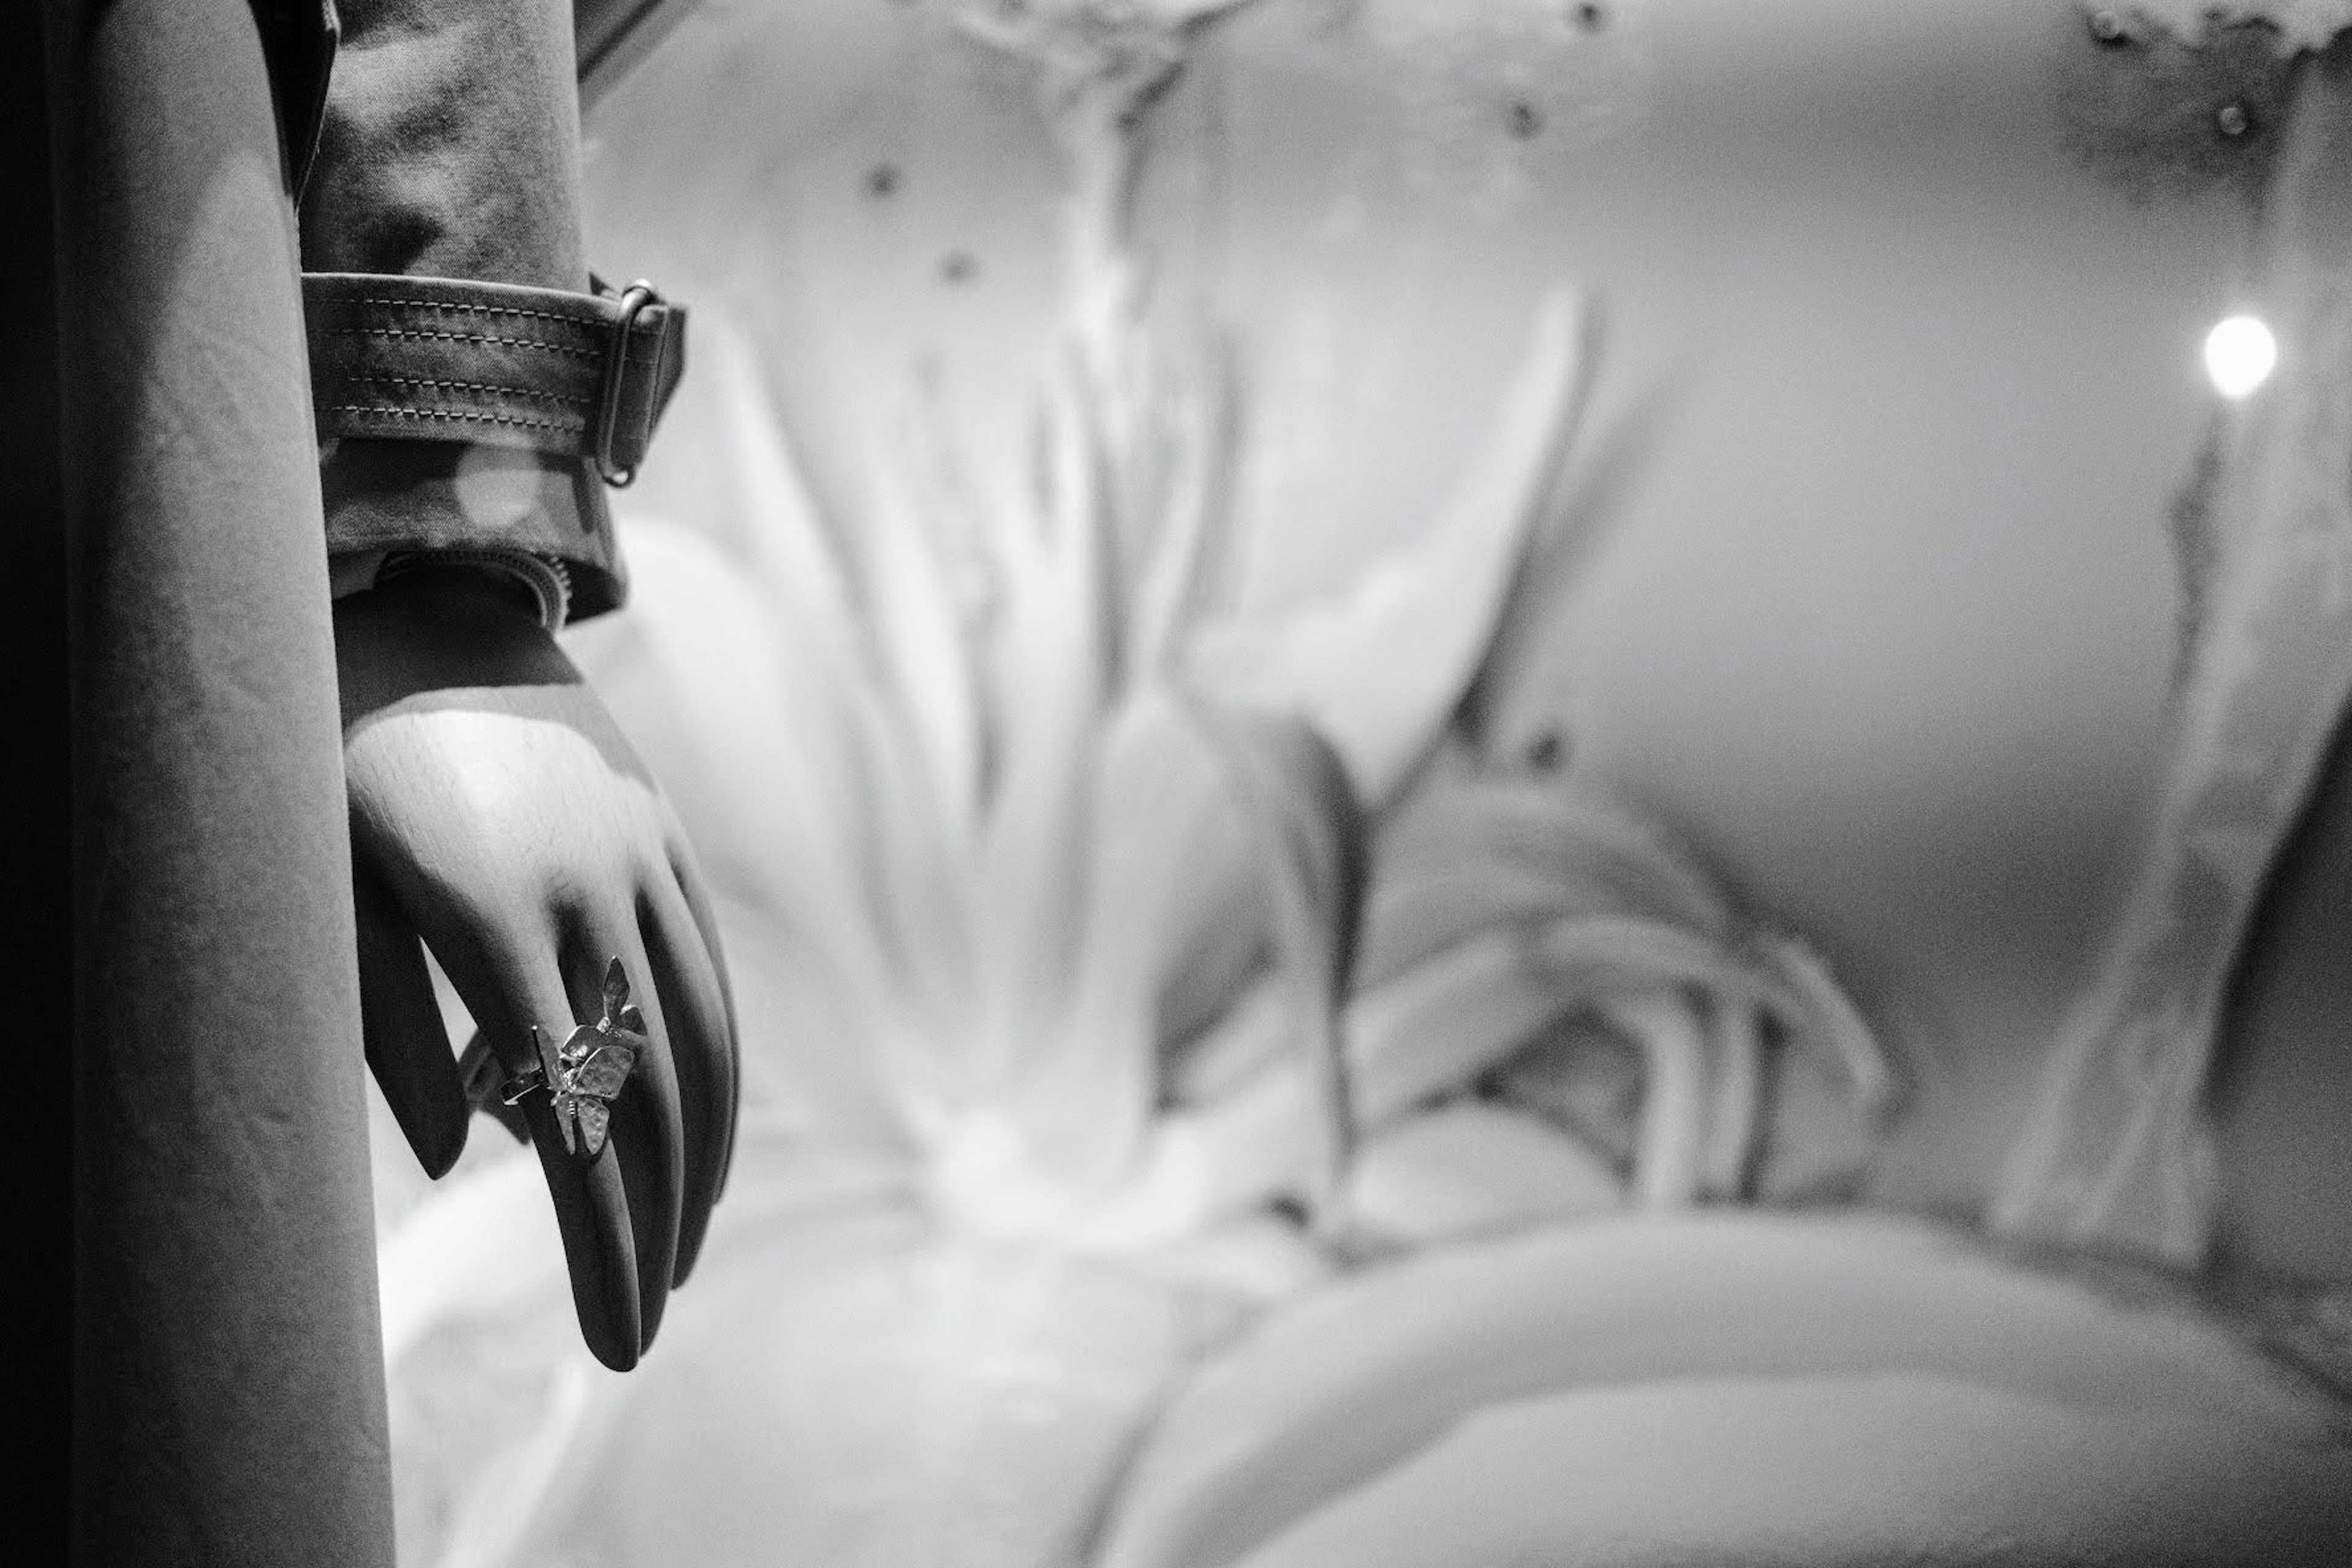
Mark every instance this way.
x=572 y=375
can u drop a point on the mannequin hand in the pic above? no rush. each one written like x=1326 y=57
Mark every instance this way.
x=499 y=816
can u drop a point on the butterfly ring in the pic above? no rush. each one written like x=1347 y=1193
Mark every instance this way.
x=587 y=1070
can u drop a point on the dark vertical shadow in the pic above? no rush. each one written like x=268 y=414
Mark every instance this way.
x=35 y=871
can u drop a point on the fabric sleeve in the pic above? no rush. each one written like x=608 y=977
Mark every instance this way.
x=450 y=148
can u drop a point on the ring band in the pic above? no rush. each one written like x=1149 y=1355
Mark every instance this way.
x=581 y=1077
x=512 y=1090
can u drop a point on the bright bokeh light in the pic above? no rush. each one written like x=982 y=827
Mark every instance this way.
x=2240 y=354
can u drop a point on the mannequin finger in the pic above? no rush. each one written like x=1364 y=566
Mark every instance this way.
x=505 y=971
x=688 y=873
x=407 y=1044
x=694 y=1003
x=645 y=1133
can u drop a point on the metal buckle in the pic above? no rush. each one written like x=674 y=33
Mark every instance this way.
x=634 y=299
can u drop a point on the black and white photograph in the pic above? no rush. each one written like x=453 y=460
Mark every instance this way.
x=1180 y=783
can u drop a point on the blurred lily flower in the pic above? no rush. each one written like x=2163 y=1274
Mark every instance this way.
x=1016 y=824
x=1843 y=1388
x=1117 y=962
x=1079 y=914
x=1044 y=868
x=1017 y=813
x=1521 y=925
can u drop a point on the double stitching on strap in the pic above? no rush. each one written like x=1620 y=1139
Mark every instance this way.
x=580 y=376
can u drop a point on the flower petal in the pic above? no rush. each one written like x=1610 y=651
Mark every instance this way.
x=1890 y=1468
x=926 y=612
x=749 y=495
x=1353 y=1382
x=1087 y=1077
x=1175 y=777
x=1467 y=1169
x=758 y=749
x=1665 y=1022
x=1435 y=1027
x=1251 y=1035
x=1829 y=1018
x=1313 y=842
x=1057 y=669
x=847 y=714
x=1379 y=669
x=1465 y=855
x=1197 y=432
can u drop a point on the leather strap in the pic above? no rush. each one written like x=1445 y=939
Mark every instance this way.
x=442 y=359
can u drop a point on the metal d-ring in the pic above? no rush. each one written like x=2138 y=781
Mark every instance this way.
x=634 y=299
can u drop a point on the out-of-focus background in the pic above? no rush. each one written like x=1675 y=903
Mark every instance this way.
x=1899 y=390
